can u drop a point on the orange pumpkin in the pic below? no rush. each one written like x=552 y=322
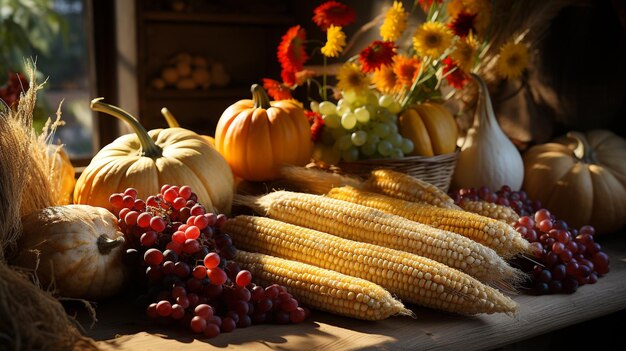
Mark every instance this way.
x=257 y=136
x=580 y=178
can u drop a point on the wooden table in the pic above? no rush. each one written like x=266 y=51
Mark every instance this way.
x=120 y=328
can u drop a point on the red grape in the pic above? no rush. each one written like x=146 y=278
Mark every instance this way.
x=243 y=278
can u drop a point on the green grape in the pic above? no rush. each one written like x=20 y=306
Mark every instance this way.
x=381 y=129
x=343 y=143
x=407 y=146
x=315 y=106
x=395 y=139
x=318 y=152
x=383 y=115
x=372 y=99
x=349 y=96
x=362 y=114
x=395 y=107
x=343 y=109
x=348 y=120
x=359 y=138
x=337 y=133
x=393 y=127
x=327 y=108
x=371 y=137
x=371 y=109
x=331 y=156
x=396 y=153
x=384 y=148
x=327 y=136
x=385 y=100
x=350 y=155
x=332 y=121
x=368 y=149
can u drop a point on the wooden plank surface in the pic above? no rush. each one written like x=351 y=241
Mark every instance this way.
x=119 y=327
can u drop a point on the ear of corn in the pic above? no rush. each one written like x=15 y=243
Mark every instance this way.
x=323 y=289
x=316 y=181
x=412 y=278
x=499 y=236
x=366 y=224
x=491 y=210
x=406 y=187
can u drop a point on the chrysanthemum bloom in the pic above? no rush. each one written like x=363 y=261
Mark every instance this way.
x=317 y=124
x=481 y=8
x=463 y=24
x=350 y=77
x=432 y=39
x=288 y=77
x=377 y=54
x=406 y=70
x=395 y=22
x=455 y=77
x=291 y=50
x=276 y=90
x=333 y=13
x=465 y=53
x=335 y=42
x=513 y=60
x=425 y=4
x=385 y=79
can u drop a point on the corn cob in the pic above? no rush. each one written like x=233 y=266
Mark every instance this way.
x=412 y=278
x=499 y=236
x=406 y=187
x=322 y=288
x=362 y=223
x=491 y=210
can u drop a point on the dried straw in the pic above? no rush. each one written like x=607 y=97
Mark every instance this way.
x=30 y=318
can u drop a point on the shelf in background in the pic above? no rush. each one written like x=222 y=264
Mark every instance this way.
x=217 y=18
x=211 y=93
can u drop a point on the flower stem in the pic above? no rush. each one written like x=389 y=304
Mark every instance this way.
x=324 y=81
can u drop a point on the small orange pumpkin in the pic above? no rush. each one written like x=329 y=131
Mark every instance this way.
x=257 y=136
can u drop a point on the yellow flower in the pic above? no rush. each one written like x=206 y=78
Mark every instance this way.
x=432 y=39
x=350 y=77
x=385 y=79
x=481 y=8
x=335 y=41
x=395 y=22
x=513 y=60
x=465 y=53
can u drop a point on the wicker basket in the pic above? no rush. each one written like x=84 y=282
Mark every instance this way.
x=436 y=170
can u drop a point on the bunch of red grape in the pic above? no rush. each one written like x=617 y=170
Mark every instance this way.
x=567 y=258
x=186 y=262
x=517 y=200
x=10 y=92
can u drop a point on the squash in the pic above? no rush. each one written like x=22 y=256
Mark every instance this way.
x=257 y=136
x=148 y=160
x=79 y=250
x=431 y=128
x=64 y=172
x=580 y=178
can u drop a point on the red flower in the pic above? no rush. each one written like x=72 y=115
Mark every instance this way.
x=463 y=24
x=425 y=4
x=333 y=12
x=291 y=51
x=317 y=125
x=288 y=77
x=457 y=78
x=377 y=54
x=276 y=90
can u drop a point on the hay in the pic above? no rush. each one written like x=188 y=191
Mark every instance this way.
x=30 y=318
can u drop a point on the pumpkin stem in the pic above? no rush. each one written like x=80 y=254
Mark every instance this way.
x=259 y=96
x=106 y=244
x=583 y=150
x=148 y=147
x=169 y=117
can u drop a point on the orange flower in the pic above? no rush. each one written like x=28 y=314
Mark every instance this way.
x=291 y=51
x=289 y=77
x=333 y=12
x=463 y=24
x=406 y=70
x=377 y=54
x=276 y=90
x=317 y=124
x=457 y=78
x=385 y=79
x=425 y=4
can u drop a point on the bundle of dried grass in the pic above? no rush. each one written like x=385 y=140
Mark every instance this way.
x=30 y=318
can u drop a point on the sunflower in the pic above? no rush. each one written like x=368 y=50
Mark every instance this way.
x=335 y=42
x=333 y=13
x=291 y=51
x=465 y=53
x=385 y=79
x=377 y=54
x=406 y=70
x=276 y=90
x=513 y=60
x=350 y=77
x=432 y=39
x=395 y=22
